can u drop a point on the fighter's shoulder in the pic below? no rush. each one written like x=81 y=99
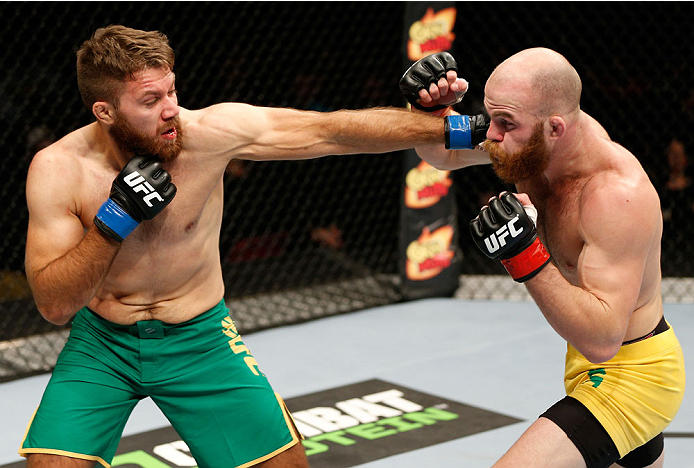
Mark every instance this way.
x=218 y=113
x=221 y=127
x=613 y=194
x=61 y=162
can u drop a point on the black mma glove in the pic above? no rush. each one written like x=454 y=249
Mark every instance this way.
x=503 y=230
x=423 y=73
x=462 y=131
x=141 y=190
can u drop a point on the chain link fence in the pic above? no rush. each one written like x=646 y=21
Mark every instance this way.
x=307 y=239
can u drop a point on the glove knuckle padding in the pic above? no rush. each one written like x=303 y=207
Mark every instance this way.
x=476 y=227
x=505 y=228
x=499 y=211
x=143 y=188
x=504 y=231
x=512 y=202
x=487 y=220
x=433 y=68
x=447 y=61
x=423 y=73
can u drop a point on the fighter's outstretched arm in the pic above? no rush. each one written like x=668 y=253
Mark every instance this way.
x=241 y=131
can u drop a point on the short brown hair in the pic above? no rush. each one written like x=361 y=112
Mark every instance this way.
x=113 y=55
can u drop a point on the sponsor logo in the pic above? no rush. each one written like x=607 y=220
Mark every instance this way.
x=139 y=184
x=498 y=239
x=432 y=34
x=430 y=254
x=594 y=377
x=425 y=186
x=366 y=421
x=237 y=346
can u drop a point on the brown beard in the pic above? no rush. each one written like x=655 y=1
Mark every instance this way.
x=132 y=141
x=531 y=160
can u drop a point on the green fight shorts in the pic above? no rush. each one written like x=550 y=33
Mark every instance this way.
x=199 y=373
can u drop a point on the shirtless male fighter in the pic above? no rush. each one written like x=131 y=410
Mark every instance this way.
x=592 y=263
x=123 y=239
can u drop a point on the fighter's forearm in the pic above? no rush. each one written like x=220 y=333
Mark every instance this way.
x=449 y=160
x=381 y=130
x=69 y=282
x=578 y=316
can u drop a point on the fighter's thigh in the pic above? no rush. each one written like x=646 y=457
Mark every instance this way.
x=245 y=426
x=40 y=460
x=542 y=445
x=219 y=400
x=79 y=417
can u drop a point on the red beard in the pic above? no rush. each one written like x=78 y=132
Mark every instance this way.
x=132 y=141
x=531 y=160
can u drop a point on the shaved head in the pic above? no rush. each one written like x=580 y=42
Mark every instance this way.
x=545 y=80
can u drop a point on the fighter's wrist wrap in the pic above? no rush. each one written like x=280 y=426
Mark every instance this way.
x=114 y=221
x=528 y=263
x=466 y=131
x=458 y=132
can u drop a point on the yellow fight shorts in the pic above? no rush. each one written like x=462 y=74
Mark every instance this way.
x=634 y=395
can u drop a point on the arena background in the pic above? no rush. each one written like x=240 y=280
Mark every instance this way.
x=303 y=240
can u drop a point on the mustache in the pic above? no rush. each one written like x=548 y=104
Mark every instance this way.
x=530 y=160
x=132 y=141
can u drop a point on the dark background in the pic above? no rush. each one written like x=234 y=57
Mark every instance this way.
x=635 y=60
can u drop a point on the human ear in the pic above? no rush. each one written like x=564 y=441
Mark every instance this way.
x=557 y=127
x=103 y=111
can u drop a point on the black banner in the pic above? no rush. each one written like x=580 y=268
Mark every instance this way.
x=430 y=256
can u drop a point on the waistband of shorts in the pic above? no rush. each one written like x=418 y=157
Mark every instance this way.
x=662 y=326
x=152 y=328
x=655 y=344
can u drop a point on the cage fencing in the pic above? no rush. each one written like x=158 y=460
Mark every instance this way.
x=307 y=239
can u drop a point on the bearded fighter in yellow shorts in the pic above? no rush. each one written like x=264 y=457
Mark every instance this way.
x=583 y=234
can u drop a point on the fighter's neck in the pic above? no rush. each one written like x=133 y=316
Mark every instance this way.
x=576 y=154
x=107 y=146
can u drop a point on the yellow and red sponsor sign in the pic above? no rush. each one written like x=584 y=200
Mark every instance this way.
x=430 y=254
x=425 y=186
x=431 y=34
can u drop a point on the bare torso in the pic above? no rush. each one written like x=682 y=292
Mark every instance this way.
x=559 y=208
x=169 y=267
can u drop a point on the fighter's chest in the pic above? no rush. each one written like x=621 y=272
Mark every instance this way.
x=558 y=227
x=199 y=194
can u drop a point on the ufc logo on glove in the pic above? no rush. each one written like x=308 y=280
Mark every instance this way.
x=498 y=239
x=505 y=230
x=125 y=210
x=139 y=184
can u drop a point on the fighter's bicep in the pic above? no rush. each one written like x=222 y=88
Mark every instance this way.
x=54 y=228
x=619 y=231
x=242 y=131
x=613 y=278
x=49 y=239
